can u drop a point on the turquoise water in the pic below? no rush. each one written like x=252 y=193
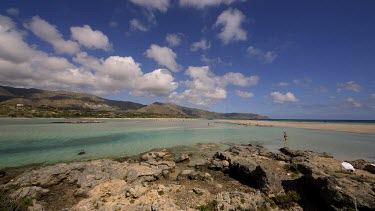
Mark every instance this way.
x=34 y=141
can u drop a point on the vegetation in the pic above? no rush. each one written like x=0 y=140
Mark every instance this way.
x=288 y=200
x=50 y=112
x=211 y=206
x=8 y=203
x=293 y=170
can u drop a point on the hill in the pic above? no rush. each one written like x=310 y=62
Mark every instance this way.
x=43 y=103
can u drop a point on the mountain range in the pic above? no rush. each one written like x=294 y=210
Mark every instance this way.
x=41 y=101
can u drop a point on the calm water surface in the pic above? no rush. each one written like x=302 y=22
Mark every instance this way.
x=31 y=141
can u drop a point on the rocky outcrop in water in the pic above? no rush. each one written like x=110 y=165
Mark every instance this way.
x=243 y=177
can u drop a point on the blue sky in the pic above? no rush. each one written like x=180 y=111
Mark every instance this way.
x=283 y=59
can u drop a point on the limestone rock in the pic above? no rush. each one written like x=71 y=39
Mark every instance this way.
x=183 y=158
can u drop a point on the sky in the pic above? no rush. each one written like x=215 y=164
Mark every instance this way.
x=312 y=59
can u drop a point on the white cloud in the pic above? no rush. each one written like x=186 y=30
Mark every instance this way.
x=173 y=39
x=92 y=39
x=372 y=96
x=203 y=45
x=205 y=88
x=265 y=57
x=350 y=85
x=239 y=80
x=12 y=46
x=113 y=24
x=13 y=11
x=200 y=4
x=137 y=25
x=163 y=56
x=231 y=21
x=283 y=84
x=321 y=89
x=281 y=98
x=353 y=102
x=23 y=66
x=50 y=34
x=306 y=82
x=161 y=5
x=244 y=94
x=160 y=82
x=207 y=60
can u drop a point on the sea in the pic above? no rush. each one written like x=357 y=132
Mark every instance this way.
x=43 y=141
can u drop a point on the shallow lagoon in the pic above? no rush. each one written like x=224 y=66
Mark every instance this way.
x=32 y=141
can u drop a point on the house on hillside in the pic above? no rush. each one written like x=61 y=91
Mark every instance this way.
x=20 y=105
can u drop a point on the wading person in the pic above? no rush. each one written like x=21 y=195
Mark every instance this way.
x=285 y=136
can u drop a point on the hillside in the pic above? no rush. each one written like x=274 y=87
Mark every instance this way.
x=43 y=103
x=61 y=99
x=165 y=108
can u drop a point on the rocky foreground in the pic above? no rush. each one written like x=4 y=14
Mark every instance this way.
x=203 y=177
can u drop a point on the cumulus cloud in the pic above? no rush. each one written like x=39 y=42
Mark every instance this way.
x=353 y=102
x=13 y=11
x=163 y=56
x=206 y=88
x=208 y=60
x=203 y=45
x=263 y=56
x=372 y=96
x=283 y=84
x=231 y=20
x=200 y=4
x=244 y=94
x=161 y=5
x=92 y=39
x=24 y=66
x=137 y=25
x=281 y=98
x=50 y=34
x=159 y=82
x=173 y=39
x=350 y=85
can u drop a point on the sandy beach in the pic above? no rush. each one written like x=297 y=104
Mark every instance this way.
x=346 y=127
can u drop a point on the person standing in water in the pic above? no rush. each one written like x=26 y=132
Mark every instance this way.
x=285 y=136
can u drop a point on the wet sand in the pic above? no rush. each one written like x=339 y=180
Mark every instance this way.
x=346 y=127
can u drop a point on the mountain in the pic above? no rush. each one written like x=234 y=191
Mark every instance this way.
x=61 y=99
x=43 y=103
x=164 y=108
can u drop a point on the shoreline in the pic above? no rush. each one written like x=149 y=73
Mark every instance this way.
x=342 y=127
x=193 y=178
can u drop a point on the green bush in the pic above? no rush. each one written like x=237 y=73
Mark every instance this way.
x=288 y=200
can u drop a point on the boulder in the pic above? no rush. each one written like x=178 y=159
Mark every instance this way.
x=241 y=201
x=183 y=158
x=30 y=192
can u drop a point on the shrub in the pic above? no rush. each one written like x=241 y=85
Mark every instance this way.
x=288 y=200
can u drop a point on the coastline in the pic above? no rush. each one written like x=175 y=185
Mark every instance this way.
x=200 y=177
x=343 y=127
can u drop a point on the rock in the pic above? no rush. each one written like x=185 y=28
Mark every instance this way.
x=370 y=168
x=184 y=174
x=30 y=192
x=193 y=175
x=216 y=165
x=363 y=165
x=199 y=191
x=241 y=201
x=266 y=179
x=183 y=158
x=200 y=176
x=225 y=163
x=136 y=191
x=2 y=173
x=156 y=155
